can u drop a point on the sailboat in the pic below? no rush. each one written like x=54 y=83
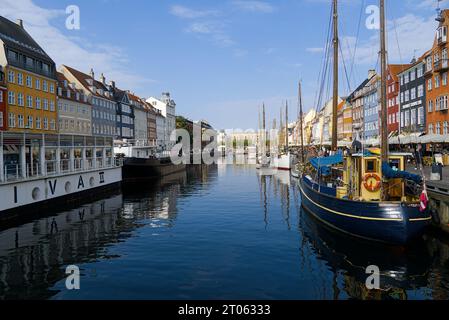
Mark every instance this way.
x=296 y=170
x=285 y=160
x=366 y=195
x=263 y=160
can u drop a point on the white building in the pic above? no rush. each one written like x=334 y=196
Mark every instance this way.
x=167 y=107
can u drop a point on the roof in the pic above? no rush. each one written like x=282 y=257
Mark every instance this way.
x=83 y=79
x=418 y=61
x=62 y=81
x=396 y=69
x=16 y=37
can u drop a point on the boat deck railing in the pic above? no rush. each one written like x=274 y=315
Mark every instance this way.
x=26 y=156
x=14 y=172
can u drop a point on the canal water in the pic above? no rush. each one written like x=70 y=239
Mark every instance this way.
x=213 y=232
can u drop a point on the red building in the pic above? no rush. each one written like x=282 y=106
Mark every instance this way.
x=3 y=97
x=393 y=95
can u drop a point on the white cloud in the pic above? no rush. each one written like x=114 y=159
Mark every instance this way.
x=213 y=30
x=413 y=34
x=315 y=50
x=187 y=13
x=73 y=51
x=253 y=6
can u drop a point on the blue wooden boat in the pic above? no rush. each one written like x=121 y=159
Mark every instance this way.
x=389 y=222
x=367 y=195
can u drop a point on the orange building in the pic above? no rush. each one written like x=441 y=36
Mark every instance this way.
x=31 y=81
x=393 y=90
x=436 y=75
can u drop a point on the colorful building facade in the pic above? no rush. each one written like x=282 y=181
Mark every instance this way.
x=413 y=98
x=371 y=108
x=436 y=75
x=74 y=109
x=393 y=90
x=101 y=98
x=30 y=79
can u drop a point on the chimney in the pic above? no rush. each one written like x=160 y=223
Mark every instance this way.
x=92 y=74
x=371 y=73
x=20 y=23
x=103 y=79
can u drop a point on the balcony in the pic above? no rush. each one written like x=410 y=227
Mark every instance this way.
x=441 y=65
x=442 y=40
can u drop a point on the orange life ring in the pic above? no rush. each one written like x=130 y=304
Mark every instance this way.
x=372 y=187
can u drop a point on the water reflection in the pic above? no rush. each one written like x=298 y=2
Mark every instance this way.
x=212 y=232
x=33 y=256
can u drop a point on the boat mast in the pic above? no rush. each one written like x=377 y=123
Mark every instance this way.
x=335 y=94
x=383 y=86
x=301 y=124
x=264 y=139
x=286 y=126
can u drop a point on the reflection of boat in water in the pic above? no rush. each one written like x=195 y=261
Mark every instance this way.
x=401 y=269
x=283 y=177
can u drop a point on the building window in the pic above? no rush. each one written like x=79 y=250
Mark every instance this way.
x=412 y=75
x=38 y=103
x=406 y=78
x=1 y=96
x=445 y=127
x=431 y=128
x=52 y=88
x=52 y=124
x=52 y=105
x=438 y=128
x=413 y=94
x=429 y=63
x=420 y=91
x=445 y=79
x=29 y=82
x=38 y=123
x=44 y=86
x=11 y=120
x=11 y=98
x=20 y=121
x=20 y=100
x=430 y=106
x=38 y=84
x=20 y=78
x=1 y=119
x=45 y=104
x=407 y=96
x=30 y=122
x=29 y=101
x=420 y=116
x=429 y=85
x=45 y=123
x=437 y=81
x=11 y=76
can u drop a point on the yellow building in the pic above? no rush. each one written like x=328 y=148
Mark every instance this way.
x=31 y=81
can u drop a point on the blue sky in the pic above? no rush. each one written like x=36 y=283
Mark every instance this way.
x=221 y=59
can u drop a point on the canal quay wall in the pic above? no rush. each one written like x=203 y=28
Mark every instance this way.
x=438 y=192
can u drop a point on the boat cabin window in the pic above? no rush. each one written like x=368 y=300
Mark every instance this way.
x=395 y=164
x=371 y=166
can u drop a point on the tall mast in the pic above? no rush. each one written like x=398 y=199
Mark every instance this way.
x=264 y=139
x=301 y=124
x=286 y=125
x=335 y=94
x=383 y=86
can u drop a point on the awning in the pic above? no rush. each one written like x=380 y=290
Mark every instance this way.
x=433 y=138
x=322 y=164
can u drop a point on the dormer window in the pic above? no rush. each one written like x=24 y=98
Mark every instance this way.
x=65 y=83
x=90 y=81
x=77 y=96
x=442 y=34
